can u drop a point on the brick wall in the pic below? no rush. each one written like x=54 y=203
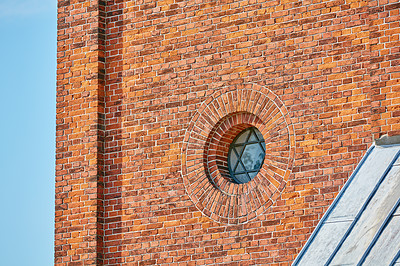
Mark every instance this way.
x=147 y=90
x=385 y=67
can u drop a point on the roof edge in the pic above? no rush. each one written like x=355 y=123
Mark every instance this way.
x=386 y=140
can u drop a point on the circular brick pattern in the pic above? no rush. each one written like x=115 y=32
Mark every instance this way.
x=204 y=165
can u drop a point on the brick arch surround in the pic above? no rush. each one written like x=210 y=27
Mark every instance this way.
x=220 y=118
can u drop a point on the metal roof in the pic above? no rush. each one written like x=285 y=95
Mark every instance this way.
x=362 y=226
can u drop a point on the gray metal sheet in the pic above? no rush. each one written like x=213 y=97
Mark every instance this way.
x=363 y=183
x=387 y=245
x=349 y=204
x=322 y=246
x=371 y=220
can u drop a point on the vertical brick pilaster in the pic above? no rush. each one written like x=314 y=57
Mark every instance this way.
x=80 y=132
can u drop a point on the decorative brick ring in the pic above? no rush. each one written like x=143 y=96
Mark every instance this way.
x=204 y=165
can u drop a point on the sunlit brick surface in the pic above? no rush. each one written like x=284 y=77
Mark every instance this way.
x=134 y=76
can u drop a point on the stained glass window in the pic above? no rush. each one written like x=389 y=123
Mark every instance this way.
x=246 y=155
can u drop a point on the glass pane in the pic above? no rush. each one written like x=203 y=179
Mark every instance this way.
x=259 y=135
x=253 y=156
x=239 y=168
x=252 y=174
x=239 y=149
x=253 y=137
x=232 y=160
x=243 y=137
x=242 y=178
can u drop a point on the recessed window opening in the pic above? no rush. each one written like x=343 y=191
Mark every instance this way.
x=246 y=155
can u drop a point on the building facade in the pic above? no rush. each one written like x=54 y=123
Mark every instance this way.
x=150 y=94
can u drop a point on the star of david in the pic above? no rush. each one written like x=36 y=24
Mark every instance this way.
x=246 y=155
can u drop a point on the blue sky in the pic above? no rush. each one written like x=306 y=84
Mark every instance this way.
x=27 y=105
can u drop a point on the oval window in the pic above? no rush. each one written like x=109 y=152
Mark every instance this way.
x=246 y=155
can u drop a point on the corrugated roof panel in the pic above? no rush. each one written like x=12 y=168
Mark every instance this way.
x=363 y=223
x=386 y=247
x=325 y=244
x=363 y=183
x=372 y=218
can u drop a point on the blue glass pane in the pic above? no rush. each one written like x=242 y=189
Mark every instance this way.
x=253 y=137
x=252 y=174
x=253 y=156
x=259 y=135
x=242 y=178
x=239 y=168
